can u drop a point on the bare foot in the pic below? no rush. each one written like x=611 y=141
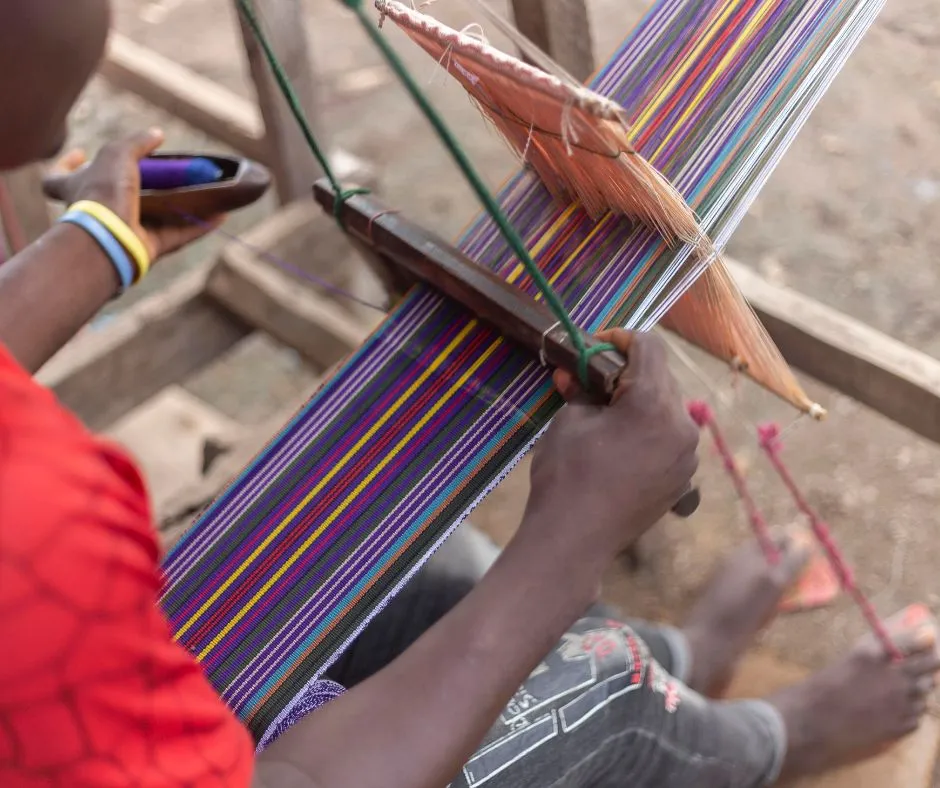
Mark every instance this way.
x=864 y=701
x=739 y=602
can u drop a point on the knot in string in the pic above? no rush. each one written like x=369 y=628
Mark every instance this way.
x=768 y=435
x=701 y=413
x=340 y=201
x=584 y=357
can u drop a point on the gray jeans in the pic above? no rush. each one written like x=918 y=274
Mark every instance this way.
x=607 y=707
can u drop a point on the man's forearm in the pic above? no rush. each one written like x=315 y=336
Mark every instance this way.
x=417 y=722
x=49 y=291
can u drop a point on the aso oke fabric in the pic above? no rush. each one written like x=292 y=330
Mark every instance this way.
x=284 y=569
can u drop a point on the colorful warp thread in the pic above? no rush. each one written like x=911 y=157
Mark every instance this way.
x=289 y=564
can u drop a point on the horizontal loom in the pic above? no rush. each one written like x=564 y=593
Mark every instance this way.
x=348 y=500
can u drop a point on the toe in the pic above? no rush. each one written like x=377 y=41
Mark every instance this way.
x=910 y=725
x=796 y=548
x=796 y=545
x=925 y=685
x=926 y=664
x=919 y=640
x=913 y=631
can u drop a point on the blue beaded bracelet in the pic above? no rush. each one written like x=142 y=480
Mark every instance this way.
x=121 y=261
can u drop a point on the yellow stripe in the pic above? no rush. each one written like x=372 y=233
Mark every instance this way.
x=563 y=218
x=387 y=458
x=543 y=241
x=741 y=41
x=120 y=230
x=385 y=417
x=692 y=60
x=600 y=227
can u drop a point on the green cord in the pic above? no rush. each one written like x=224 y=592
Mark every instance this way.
x=454 y=148
x=293 y=101
x=585 y=355
x=473 y=178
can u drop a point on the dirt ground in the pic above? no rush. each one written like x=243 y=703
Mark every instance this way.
x=850 y=218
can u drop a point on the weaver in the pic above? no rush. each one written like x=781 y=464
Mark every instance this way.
x=96 y=692
x=716 y=115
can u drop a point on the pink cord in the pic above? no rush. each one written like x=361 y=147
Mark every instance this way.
x=769 y=437
x=703 y=415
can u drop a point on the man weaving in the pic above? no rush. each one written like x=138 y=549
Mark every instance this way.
x=94 y=691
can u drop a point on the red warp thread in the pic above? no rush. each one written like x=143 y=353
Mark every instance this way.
x=703 y=415
x=769 y=437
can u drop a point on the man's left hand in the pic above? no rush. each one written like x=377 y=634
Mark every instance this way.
x=113 y=179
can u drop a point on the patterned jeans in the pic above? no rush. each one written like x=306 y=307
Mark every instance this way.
x=607 y=707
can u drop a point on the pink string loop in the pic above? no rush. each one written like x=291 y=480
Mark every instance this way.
x=702 y=414
x=769 y=439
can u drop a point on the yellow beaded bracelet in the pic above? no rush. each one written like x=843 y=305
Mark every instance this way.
x=120 y=230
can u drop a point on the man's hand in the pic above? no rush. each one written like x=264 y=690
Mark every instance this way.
x=613 y=471
x=113 y=179
x=601 y=476
x=54 y=286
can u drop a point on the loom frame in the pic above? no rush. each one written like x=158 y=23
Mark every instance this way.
x=901 y=383
x=172 y=334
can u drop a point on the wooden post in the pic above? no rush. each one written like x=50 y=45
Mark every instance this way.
x=893 y=379
x=207 y=106
x=294 y=166
x=561 y=29
x=23 y=207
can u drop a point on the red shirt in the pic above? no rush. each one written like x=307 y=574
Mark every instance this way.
x=93 y=689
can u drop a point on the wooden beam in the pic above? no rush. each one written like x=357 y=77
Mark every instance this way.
x=101 y=375
x=175 y=515
x=214 y=110
x=281 y=305
x=202 y=103
x=562 y=29
x=24 y=209
x=884 y=374
x=868 y=366
x=288 y=155
x=167 y=436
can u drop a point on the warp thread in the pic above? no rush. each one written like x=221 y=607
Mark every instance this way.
x=275 y=641
x=451 y=144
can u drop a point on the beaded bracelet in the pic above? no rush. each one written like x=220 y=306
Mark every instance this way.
x=109 y=244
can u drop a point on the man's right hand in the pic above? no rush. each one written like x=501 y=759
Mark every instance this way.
x=602 y=476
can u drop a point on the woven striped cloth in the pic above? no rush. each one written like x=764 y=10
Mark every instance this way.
x=279 y=575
